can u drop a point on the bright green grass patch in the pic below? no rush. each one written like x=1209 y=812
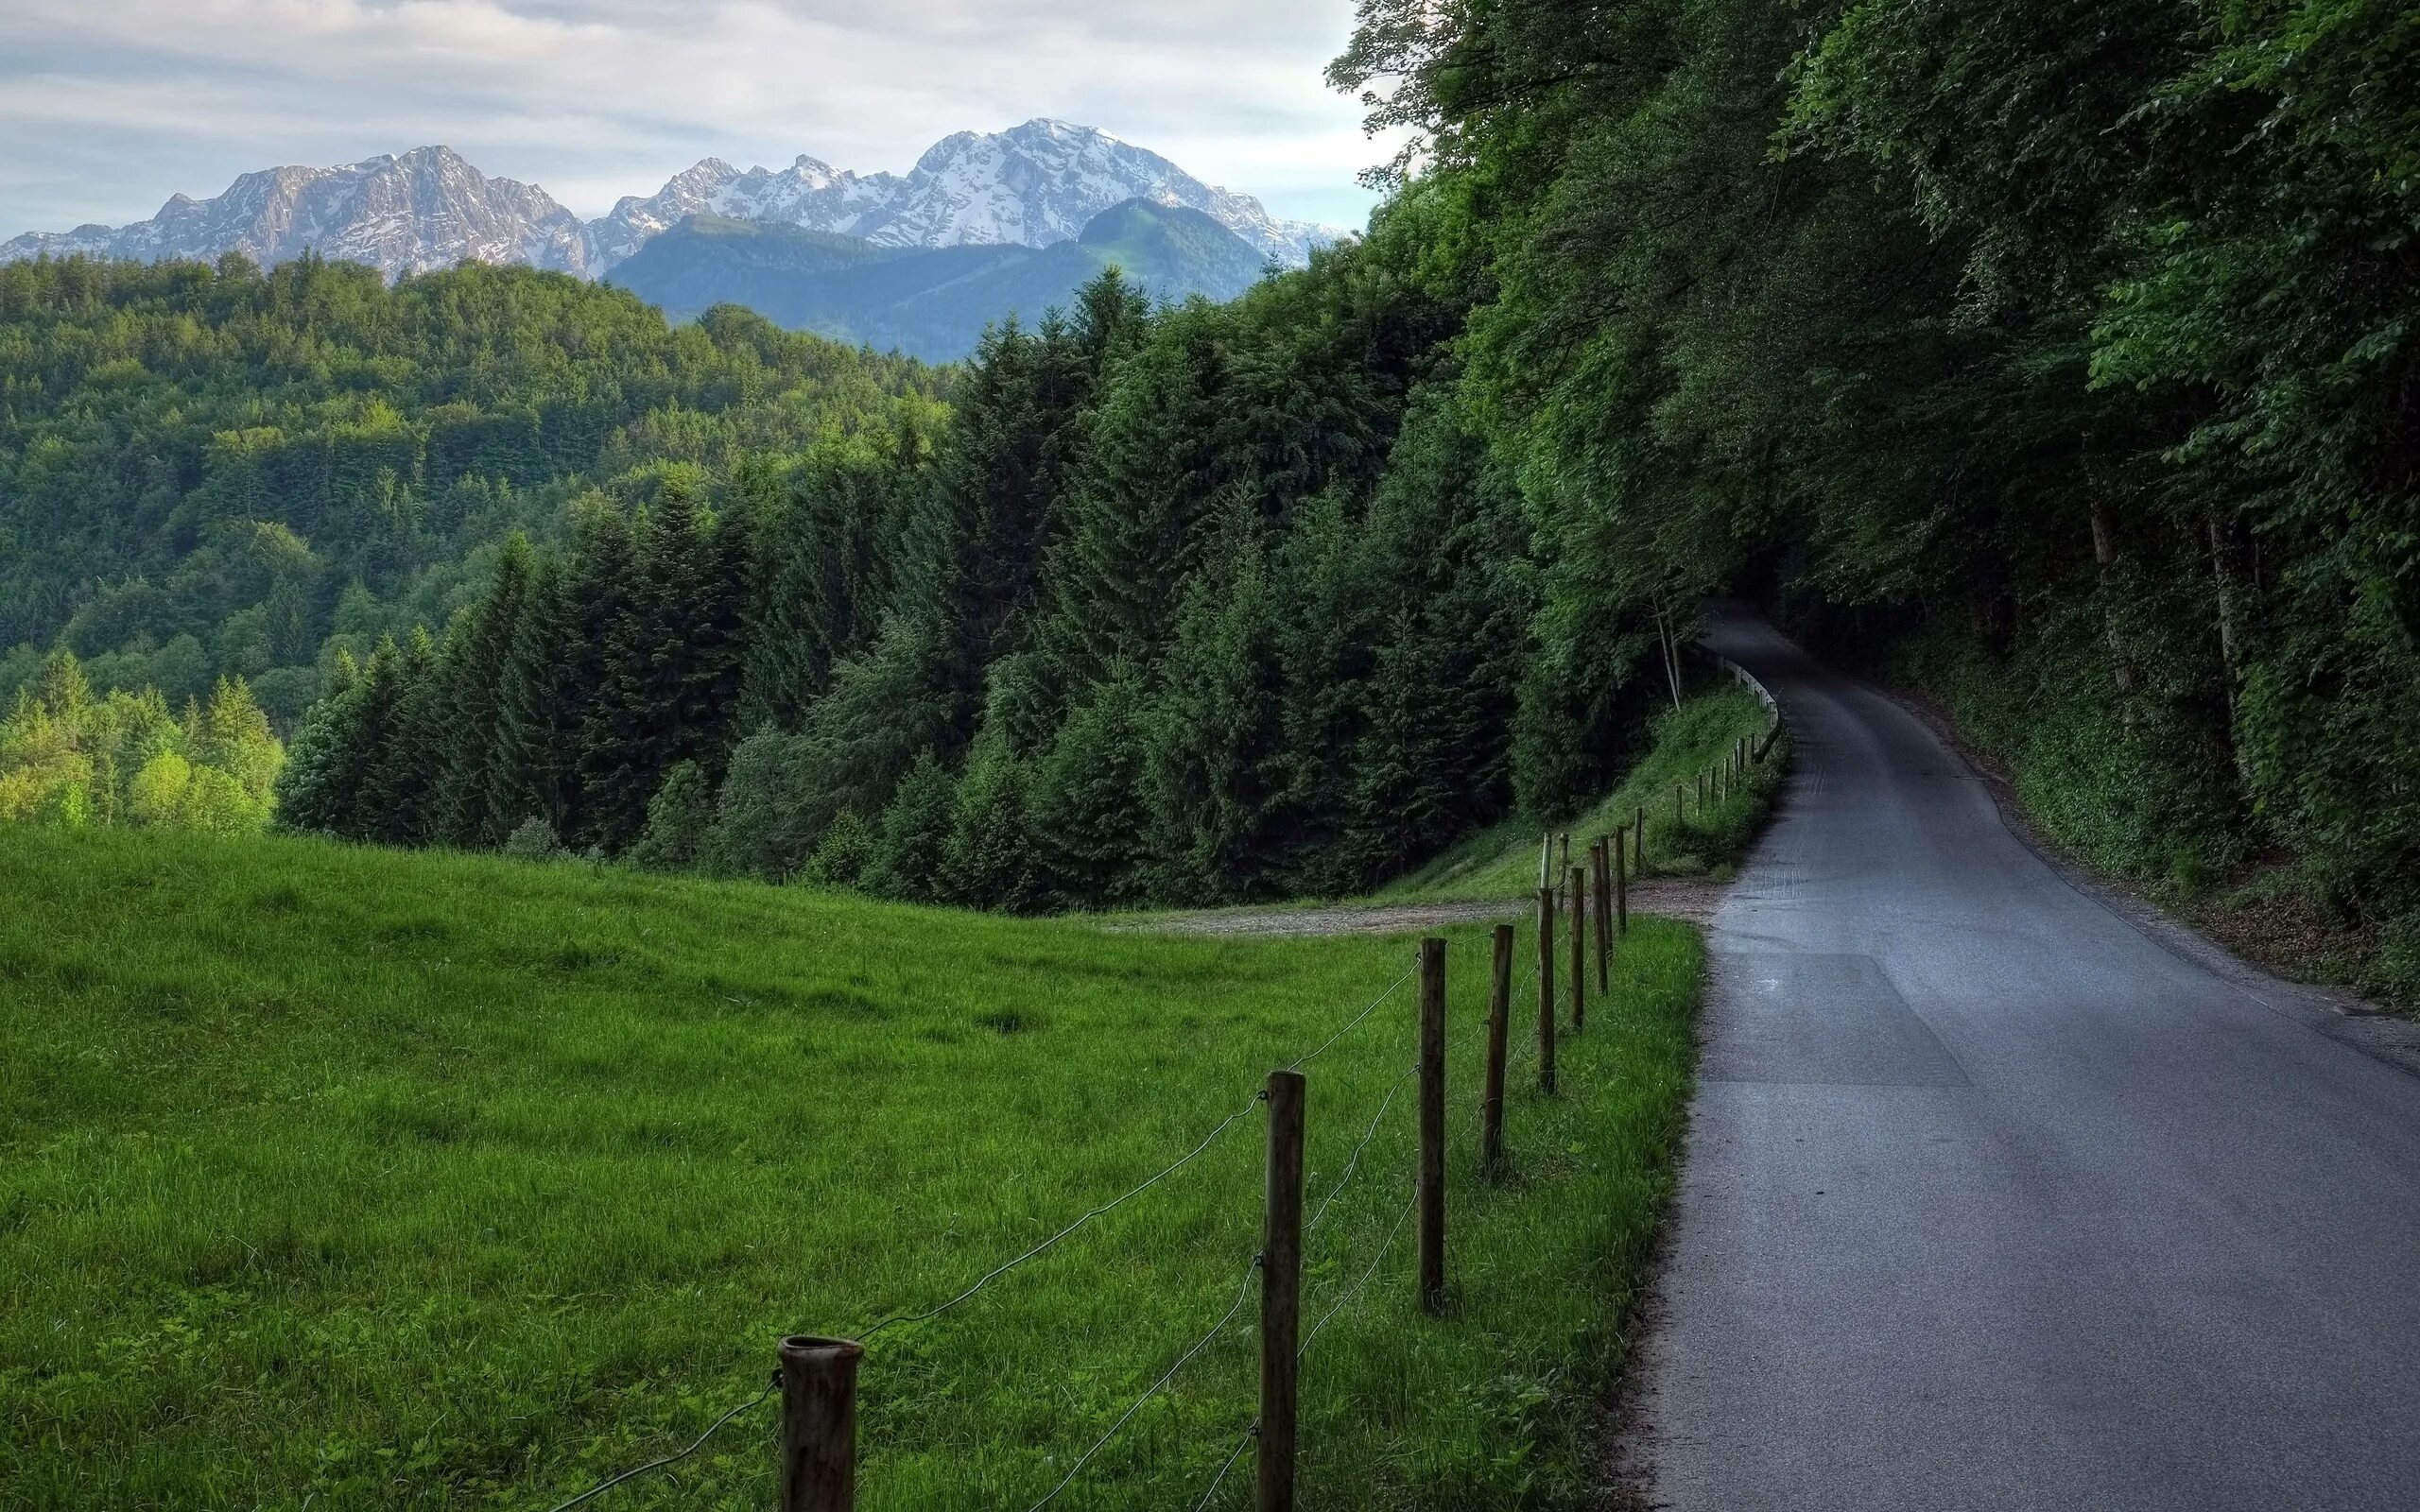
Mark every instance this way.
x=1502 y=861
x=360 y=1179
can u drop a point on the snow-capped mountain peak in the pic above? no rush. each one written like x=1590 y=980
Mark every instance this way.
x=1035 y=184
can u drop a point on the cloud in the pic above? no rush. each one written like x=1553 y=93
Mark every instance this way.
x=106 y=110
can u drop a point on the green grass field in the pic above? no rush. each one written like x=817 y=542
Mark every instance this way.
x=335 y=1178
x=1502 y=862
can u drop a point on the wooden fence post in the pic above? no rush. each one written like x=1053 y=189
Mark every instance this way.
x=1638 y=834
x=1432 y=1124
x=1281 y=1296
x=1579 y=948
x=1546 y=989
x=1499 y=1022
x=819 y=1423
x=1621 y=886
x=1602 y=879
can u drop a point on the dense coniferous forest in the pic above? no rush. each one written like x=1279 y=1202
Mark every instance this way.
x=2060 y=360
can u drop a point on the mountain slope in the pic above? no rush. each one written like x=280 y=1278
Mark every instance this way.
x=425 y=210
x=1031 y=185
x=931 y=303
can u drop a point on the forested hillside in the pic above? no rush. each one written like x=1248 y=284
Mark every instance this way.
x=1158 y=620
x=2059 y=359
x=210 y=471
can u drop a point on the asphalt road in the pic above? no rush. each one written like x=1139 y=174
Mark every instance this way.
x=2001 y=1195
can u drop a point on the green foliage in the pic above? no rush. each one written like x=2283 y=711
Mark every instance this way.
x=212 y=471
x=2086 y=337
x=72 y=759
x=678 y=819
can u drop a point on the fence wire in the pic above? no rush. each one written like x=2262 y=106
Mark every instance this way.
x=1355 y=1021
x=1090 y=1215
x=1242 y=1292
x=637 y=1470
x=1111 y=1205
x=1242 y=1442
x=1355 y=1290
x=1346 y=1176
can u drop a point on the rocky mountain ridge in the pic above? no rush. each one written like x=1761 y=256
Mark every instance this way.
x=1033 y=185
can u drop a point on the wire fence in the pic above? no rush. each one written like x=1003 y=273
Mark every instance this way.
x=1355 y=1165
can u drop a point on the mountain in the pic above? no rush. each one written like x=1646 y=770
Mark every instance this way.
x=930 y=303
x=1031 y=185
x=425 y=210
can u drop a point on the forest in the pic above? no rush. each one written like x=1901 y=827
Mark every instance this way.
x=2058 y=361
x=212 y=472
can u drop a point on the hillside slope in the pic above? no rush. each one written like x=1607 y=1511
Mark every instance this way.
x=929 y=304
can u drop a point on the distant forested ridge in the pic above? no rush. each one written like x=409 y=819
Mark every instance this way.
x=930 y=303
x=214 y=470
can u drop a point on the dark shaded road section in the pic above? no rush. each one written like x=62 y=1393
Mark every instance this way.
x=1999 y=1196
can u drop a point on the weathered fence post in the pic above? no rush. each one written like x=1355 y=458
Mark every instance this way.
x=1281 y=1296
x=1546 y=989
x=819 y=1423
x=1579 y=948
x=1638 y=834
x=1602 y=865
x=1621 y=887
x=1432 y=1124
x=1680 y=801
x=1499 y=1022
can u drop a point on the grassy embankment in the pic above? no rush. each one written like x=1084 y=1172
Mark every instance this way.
x=1502 y=861
x=347 y=1178
x=2109 y=794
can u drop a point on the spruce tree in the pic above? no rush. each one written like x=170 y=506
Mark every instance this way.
x=468 y=749
x=1210 y=738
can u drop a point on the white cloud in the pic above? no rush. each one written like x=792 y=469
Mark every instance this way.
x=107 y=109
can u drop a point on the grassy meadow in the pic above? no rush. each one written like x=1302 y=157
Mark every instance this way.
x=1502 y=861
x=336 y=1178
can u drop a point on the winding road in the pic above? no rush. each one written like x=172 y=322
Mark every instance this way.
x=2001 y=1193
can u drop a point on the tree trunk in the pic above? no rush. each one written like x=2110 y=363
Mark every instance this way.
x=1670 y=643
x=2104 y=555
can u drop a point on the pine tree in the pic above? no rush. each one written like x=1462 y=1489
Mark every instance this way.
x=312 y=786
x=621 y=727
x=1152 y=471
x=678 y=819
x=1083 y=802
x=537 y=719
x=1210 y=738
x=988 y=861
x=916 y=829
x=468 y=743
x=399 y=797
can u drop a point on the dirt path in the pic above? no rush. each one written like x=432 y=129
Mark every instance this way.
x=1690 y=898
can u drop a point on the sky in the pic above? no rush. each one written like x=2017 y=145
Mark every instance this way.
x=107 y=107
